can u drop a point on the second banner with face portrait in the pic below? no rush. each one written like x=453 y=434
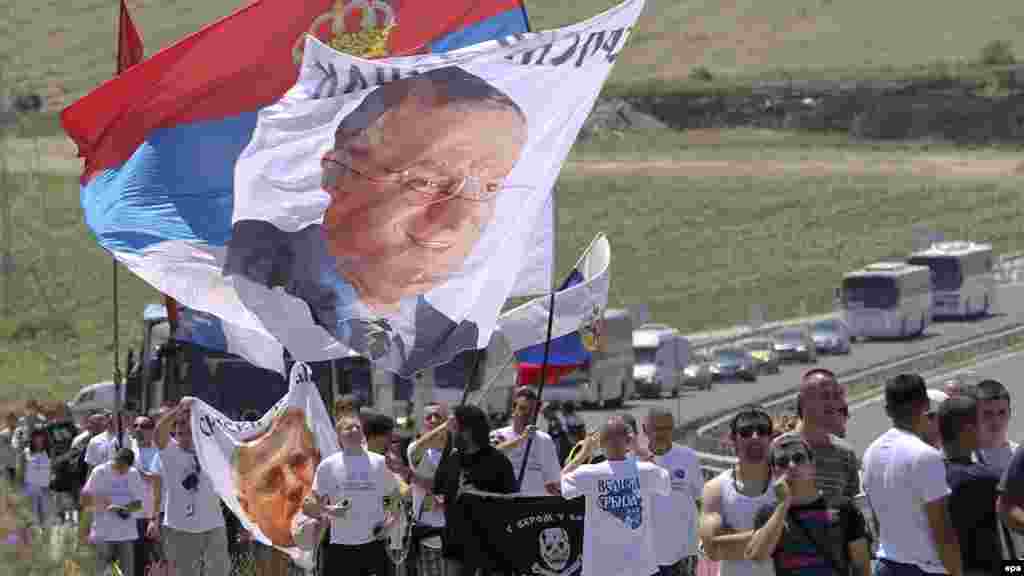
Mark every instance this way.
x=263 y=470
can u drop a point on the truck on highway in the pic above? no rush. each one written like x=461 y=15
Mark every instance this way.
x=606 y=379
x=886 y=300
x=963 y=278
x=661 y=354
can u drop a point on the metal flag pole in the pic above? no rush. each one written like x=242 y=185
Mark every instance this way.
x=117 y=367
x=540 y=390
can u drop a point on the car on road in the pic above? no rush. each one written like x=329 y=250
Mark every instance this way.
x=733 y=364
x=795 y=345
x=765 y=356
x=697 y=373
x=831 y=336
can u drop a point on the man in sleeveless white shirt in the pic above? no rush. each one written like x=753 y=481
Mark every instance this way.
x=733 y=498
x=905 y=481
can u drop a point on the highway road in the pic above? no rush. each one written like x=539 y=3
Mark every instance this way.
x=868 y=419
x=693 y=405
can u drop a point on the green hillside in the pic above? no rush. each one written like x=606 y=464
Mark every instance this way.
x=702 y=224
x=64 y=49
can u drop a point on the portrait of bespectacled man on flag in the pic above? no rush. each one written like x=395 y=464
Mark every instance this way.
x=413 y=176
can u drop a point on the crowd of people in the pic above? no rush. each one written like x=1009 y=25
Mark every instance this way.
x=940 y=492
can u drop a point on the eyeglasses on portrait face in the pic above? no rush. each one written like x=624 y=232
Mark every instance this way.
x=419 y=188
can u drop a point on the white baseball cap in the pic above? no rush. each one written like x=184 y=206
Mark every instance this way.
x=935 y=397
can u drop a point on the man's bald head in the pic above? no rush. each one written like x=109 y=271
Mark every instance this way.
x=615 y=436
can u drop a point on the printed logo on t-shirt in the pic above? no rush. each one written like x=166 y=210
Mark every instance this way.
x=679 y=479
x=357 y=481
x=620 y=497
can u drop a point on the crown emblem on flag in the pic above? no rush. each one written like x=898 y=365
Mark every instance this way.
x=592 y=329
x=357 y=27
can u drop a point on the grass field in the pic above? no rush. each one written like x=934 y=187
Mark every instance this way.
x=63 y=49
x=702 y=224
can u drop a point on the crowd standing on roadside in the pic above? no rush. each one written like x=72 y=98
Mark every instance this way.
x=940 y=492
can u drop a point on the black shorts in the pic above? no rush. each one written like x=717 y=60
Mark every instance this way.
x=359 y=560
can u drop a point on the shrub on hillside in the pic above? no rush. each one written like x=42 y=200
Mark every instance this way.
x=997 y=53
x=701 y=74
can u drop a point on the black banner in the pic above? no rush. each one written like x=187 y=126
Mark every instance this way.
x=530 y=536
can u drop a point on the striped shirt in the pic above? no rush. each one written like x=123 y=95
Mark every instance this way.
x=837 y=469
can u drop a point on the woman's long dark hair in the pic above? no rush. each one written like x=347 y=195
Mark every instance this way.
x=473 y=419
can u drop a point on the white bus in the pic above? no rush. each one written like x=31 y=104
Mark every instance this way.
x=886 y=300
x=963 y=278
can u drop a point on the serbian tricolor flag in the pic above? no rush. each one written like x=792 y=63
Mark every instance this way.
x=579 y=307
x=367 y=176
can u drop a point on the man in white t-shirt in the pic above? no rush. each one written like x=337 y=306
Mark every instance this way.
x=115 y=491
x=618 y=539
x=193 y=528
x=356 y=491
x=103 y=446
x=543 y=473
x=675 y=515
x=905 y=481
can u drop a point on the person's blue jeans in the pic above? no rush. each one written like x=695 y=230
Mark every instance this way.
x=42 y=504
x=888 y=568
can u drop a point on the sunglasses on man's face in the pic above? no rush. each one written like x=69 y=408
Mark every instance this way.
x=796 y=459
x=763 y=430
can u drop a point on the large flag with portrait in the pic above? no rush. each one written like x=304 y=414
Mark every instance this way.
x=387 y=207
x=263 y=470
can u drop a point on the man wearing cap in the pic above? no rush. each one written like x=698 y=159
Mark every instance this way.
x=801 y=531
x=543 y=474
x=931 y=432
x=905 y=482
x=820 y=407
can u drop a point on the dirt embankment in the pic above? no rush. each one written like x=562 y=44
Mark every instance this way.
x=937 y=166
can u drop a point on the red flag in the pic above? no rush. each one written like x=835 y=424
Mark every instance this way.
x=129 y=43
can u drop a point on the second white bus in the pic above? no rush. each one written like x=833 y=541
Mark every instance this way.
x=963 y=278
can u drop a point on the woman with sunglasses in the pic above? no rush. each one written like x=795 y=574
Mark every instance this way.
x=801 y=532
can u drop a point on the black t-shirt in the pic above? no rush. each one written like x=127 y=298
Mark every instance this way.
x=809 y=527
x=972 y=509
x=486 y=470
